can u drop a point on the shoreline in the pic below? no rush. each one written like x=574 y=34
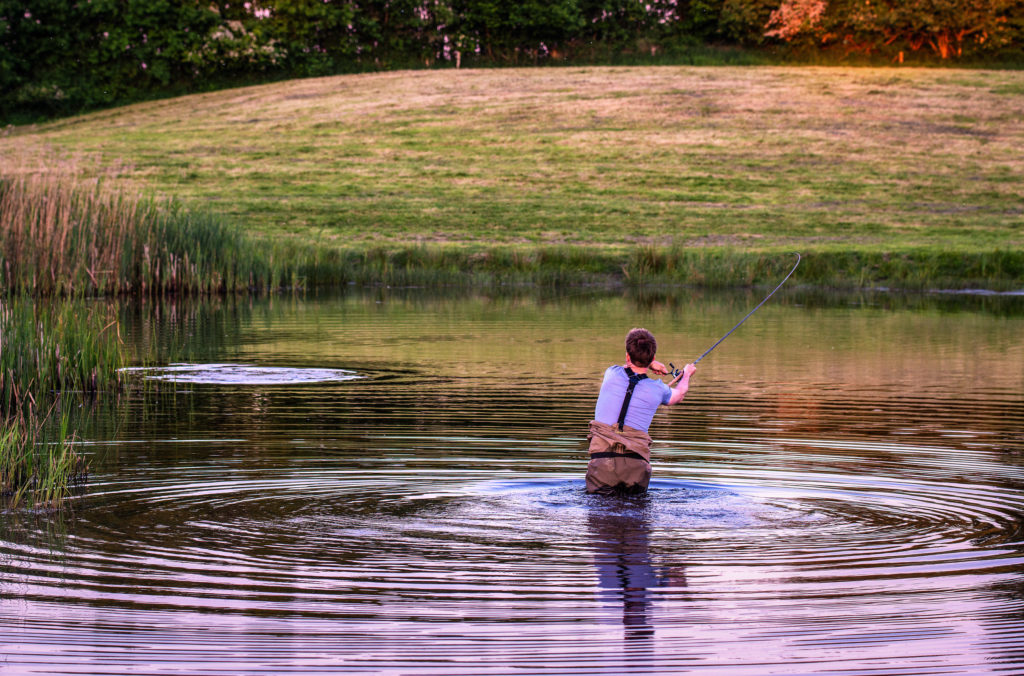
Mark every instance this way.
x=928 y=270
x=899 y=178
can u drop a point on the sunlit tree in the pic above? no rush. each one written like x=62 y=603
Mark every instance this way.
x=795 y=18
x=946 y=27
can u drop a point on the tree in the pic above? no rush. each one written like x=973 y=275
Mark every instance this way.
x=949 y=28
x=60 y=56
x=309 y=35
x=743 y=21
x=506 y=30
x=795 y=18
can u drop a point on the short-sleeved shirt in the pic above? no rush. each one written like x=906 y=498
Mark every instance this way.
x=648 y=395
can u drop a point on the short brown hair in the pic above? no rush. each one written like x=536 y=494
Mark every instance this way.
x=641 y=346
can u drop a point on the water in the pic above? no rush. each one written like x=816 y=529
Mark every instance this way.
x=392 y=482
x=240 y=374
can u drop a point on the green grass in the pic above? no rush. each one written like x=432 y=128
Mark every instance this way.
x=999 y=269
x=414 y=177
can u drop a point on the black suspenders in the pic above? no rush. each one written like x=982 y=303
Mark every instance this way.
x=633 y=380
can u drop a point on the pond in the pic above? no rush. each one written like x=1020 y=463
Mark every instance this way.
x=391 y=481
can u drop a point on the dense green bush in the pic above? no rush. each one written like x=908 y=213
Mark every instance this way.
x=63 y=56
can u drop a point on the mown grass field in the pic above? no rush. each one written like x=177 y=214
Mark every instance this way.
x=748 y=160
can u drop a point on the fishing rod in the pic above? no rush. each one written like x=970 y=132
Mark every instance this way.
x=675 y=372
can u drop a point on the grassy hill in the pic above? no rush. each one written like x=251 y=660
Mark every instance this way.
x=879 y=175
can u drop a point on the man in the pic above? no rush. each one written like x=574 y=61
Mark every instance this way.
x=620 y=448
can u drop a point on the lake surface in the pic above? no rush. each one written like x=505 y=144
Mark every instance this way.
x=392 y=482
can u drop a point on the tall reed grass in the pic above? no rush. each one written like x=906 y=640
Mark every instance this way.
x=63 y=235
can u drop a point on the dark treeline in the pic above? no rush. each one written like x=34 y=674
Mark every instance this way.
x=64 y=56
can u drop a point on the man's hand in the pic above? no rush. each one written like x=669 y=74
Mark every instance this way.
x=657 y=368
x=685 y=373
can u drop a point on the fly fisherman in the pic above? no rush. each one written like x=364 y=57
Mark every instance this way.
x=620 y=448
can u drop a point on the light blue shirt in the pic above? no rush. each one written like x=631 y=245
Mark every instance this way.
x=648 y=395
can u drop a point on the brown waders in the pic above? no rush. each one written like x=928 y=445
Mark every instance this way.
x=620 y=462
x=620 y=456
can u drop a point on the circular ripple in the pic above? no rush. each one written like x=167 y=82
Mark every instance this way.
x=481 y=574
x=242 y=374
x=812 y=525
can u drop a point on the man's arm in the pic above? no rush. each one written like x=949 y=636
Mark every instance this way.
x=681 y=384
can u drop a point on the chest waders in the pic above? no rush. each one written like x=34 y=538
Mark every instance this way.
x=613 y=467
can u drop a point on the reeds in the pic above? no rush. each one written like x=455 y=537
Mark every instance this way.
x=46 y=349
x=67 y=236
x=63 y=239
x=49 y=352
x=34 y=465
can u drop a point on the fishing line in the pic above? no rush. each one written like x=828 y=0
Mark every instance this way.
x=676 y=371
x=672 y=369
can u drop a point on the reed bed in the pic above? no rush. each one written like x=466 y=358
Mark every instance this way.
x=63 y=239
x=67 y=236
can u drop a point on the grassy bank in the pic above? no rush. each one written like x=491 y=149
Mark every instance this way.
x=433 y=265
x=69 y=237
x=905 y=177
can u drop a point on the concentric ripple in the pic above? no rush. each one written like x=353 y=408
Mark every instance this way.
x=242 y=374
x=436 y=565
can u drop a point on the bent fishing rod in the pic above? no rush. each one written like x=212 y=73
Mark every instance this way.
x=675 y=372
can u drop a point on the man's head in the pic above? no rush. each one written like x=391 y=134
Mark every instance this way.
x=641 y=346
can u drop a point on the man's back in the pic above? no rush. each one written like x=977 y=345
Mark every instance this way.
x=647 y=396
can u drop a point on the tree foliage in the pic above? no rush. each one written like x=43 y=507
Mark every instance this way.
x=56 y=53
x=59 y=56
x=948 y=28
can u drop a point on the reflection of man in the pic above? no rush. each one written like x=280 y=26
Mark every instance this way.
x=624 y=569
x=620 y=448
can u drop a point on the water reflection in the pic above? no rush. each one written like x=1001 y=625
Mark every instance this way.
x=620 y=529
